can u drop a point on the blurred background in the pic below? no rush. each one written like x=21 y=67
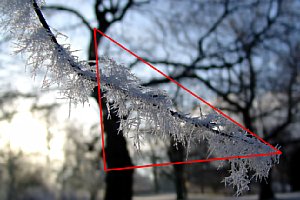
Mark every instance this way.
x=241 y=56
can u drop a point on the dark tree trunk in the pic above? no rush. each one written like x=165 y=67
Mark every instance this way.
x=177 y=154
x=294 y=172
x=266 y=192
x=118 y=183
x=155 y=173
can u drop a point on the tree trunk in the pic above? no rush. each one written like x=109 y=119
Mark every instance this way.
x=12 y=169
x=118 y=182
x=266 y=192
x=176 y=154
x=155 y=173
x=294 y=172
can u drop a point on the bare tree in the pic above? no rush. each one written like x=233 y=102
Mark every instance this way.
x=78 y=78
x=245 y=54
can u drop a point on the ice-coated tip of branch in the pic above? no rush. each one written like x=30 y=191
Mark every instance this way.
x=135 y=104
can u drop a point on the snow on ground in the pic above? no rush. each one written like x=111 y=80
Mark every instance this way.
x=286 y=196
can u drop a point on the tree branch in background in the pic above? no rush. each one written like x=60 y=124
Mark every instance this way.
x=70 y=10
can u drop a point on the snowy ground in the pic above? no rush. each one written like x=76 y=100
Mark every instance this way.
x=287 y=196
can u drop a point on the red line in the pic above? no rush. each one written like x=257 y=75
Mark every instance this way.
x=277 y=152
x=193 y=161
x=189 y=91
x=99 y=101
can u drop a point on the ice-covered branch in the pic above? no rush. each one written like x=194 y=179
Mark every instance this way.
x=134 y=94
x=135 y=105
x=133 y=91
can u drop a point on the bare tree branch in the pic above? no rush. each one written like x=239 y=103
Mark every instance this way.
x=70 y=10
x=210 y=126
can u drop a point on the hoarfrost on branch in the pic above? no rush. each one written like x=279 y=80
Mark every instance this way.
x=23 y=21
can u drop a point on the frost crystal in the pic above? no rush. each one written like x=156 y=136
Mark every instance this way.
x=135 y=105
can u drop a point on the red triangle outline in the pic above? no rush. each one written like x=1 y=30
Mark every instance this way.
x=276 y=151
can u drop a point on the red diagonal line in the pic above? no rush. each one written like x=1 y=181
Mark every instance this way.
x=277 y=151
x=99 y=100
